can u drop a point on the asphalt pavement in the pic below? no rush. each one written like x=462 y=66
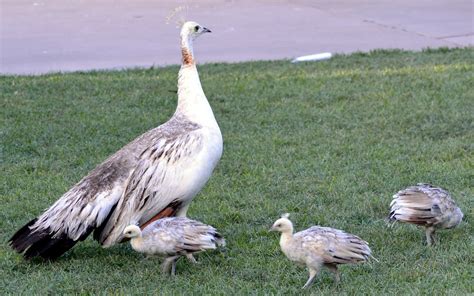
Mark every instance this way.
x=40 y=36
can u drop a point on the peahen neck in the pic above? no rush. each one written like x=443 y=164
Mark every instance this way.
x=192 y=101
x=187 y=54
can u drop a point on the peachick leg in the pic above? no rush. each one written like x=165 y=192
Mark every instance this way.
x=333 y=268
x=173 y=267
x=191 y=258
x=430 y=236
x=312 y=275
x=169 y=264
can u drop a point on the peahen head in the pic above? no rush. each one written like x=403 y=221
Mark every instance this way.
x=192 y=30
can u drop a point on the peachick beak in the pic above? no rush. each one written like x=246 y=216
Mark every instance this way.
x=206 y=30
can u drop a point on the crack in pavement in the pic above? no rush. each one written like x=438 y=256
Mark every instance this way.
x=459 y=35
x=408 y=31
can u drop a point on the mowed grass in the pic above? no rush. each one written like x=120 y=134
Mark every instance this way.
x=328 y=142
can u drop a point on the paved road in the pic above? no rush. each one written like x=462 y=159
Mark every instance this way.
x=39 y=36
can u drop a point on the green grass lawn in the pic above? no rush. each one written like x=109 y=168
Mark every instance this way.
x=329 y=142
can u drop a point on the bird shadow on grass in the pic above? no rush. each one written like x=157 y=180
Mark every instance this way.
x=85 y=253
x=123 y=256
x=95 y=251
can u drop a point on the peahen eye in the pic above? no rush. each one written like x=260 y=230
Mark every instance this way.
x=196 y=28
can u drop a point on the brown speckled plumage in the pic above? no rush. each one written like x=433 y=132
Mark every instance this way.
x=186 y=57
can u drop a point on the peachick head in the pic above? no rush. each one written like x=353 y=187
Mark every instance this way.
x=283 y=224
x=132 y=231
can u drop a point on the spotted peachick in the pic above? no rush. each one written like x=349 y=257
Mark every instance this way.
x=172 y=238
x=155 y=176
x=425 y=205
x=319 y=246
